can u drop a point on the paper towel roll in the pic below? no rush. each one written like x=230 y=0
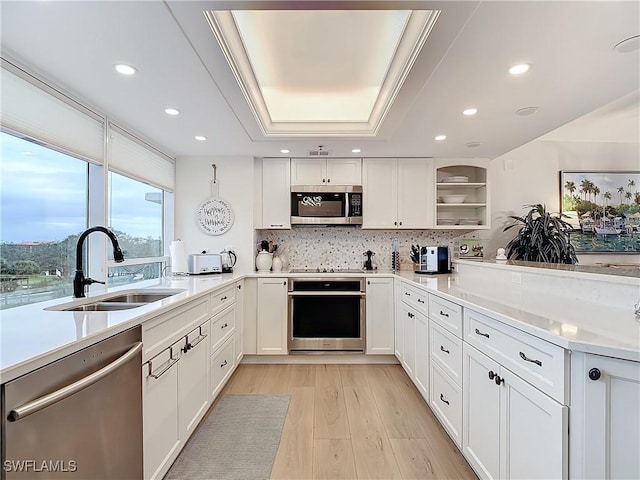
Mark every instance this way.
x=178 y=257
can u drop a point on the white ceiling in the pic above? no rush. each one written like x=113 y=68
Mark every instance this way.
x=463 y=63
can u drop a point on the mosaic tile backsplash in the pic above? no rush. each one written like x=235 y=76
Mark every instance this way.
x=344 y=247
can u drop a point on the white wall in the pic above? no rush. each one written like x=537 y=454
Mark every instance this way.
x=530 y=174
x=193 y=186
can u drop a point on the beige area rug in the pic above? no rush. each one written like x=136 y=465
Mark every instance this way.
x=238 y=440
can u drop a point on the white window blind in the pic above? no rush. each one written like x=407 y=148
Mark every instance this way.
x=132 y=158
x=34 y=112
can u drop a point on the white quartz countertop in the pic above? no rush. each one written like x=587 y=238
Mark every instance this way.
x=31 y=337
x=591 y=328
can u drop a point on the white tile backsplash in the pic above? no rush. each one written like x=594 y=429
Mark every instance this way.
x=344 y=247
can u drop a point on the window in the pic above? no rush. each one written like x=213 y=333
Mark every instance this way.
x=43 y=194
x=136 y=217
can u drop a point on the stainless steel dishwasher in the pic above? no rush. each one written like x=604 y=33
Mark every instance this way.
x=78 y=417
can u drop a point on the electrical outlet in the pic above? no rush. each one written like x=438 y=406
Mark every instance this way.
x=516 y=278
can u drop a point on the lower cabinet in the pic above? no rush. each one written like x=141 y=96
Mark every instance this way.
x=445 y=399
x=510 y=428
x=379 y=316
x=222 y=366
x=605 y=417
x=272 y=316
x=422 y=356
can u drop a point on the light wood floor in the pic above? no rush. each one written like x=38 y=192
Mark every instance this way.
x=353 y=421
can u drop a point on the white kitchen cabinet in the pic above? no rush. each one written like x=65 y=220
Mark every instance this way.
x=193 y=377
x=379 y=316
x=605 y=417
x=276 y=193
x=395 y=193
x=160 y=413
x=238 y=350
x=467 y=178
x=510 y=428
x=408 y=318
x=272 y=316
x=422 y=356
x=334 y=171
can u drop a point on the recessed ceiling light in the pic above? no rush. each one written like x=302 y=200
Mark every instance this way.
x=525 y=111
x=470 y=111
x=125 y=69
x=26 y=153
x=172 y=111
x=355 y=150
x=519 y=69
x=473 y=144
x=284 y=150
x=200 y=138
x=440 y=137
x=628 y=44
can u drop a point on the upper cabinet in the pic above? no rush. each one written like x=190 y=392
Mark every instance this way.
x=334 y=171
x=462 y=194
x=396 y=193
x=275 y=208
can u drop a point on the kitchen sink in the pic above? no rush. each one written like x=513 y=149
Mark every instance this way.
x=102 y=307
x=124 y=300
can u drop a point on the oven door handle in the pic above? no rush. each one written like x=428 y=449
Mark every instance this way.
x=326 y=294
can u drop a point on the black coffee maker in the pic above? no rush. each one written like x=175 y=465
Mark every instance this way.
x=368 y=263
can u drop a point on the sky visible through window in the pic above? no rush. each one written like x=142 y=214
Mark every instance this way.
x=43 y=196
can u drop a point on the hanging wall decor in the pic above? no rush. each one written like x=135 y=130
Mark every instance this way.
x=215 y=215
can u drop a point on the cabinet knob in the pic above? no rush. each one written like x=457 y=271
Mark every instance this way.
x=492 y=375
x=323 y=180
x=400 y=223
x=284 y=283
x=328 y=180
x=368 y=282
x=239 y=287
x=395 y=223
x=498 y=380
x=594 y=374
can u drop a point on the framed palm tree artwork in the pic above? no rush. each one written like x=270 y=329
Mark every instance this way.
x=604 y=210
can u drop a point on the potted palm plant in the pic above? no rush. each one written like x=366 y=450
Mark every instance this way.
x=542 y=237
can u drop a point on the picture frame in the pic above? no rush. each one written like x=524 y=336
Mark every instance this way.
x=469 y=248
x=603 y=208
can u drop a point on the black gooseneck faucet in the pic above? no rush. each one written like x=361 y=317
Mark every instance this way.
x=79 y=280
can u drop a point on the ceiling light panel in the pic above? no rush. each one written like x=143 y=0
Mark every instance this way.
x=349 y=65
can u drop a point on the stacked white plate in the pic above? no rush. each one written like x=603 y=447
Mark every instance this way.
x=468 y=221
x=456 y=179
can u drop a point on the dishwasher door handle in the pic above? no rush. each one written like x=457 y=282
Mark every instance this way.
x=51 y=398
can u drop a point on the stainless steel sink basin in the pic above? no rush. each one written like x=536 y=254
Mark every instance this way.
x=102 y=307
x=123 y=300
x=137 y=297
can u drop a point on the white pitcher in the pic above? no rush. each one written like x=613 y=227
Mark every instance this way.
x=264 y=260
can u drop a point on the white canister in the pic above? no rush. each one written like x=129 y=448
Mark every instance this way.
x=263 y=261
x=284 y=260
x=276 y=265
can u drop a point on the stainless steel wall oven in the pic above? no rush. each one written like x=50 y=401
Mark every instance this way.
x=326 y=315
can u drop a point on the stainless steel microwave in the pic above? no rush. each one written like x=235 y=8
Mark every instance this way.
x=326 y=205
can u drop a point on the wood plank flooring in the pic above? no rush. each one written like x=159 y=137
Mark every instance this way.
x=353 y=422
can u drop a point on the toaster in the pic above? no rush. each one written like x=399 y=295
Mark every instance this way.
x=202 y=263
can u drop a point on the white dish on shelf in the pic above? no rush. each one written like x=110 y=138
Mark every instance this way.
x=447 y=221
x=468 y=221
x=456 y=179
x=453 y=198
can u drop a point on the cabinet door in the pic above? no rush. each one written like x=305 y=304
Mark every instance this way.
x=308 y=171
x=533 y=432
x=481 y=413
x=276 y=193
x=344 y=171
x=161 y=433
x=272 y=316
x=193 y=380
x=239 y=320
x=408 y=318
x=380 y=193
x=379 y=316
x=399 y=323
x=611 y=418
x=422 y=355
x=414 y=209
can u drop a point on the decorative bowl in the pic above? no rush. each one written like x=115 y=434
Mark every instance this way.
x=453 y=198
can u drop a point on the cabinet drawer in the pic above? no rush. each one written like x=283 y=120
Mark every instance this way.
x=223 y=297
x=222 y=325
x=164 y=329
x=446 y=403
x=415 y=298
x=447 y=314
x=540 y=363
x=221 y=367
x=446 y=351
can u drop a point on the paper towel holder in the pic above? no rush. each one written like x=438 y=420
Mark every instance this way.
x=178 y=258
